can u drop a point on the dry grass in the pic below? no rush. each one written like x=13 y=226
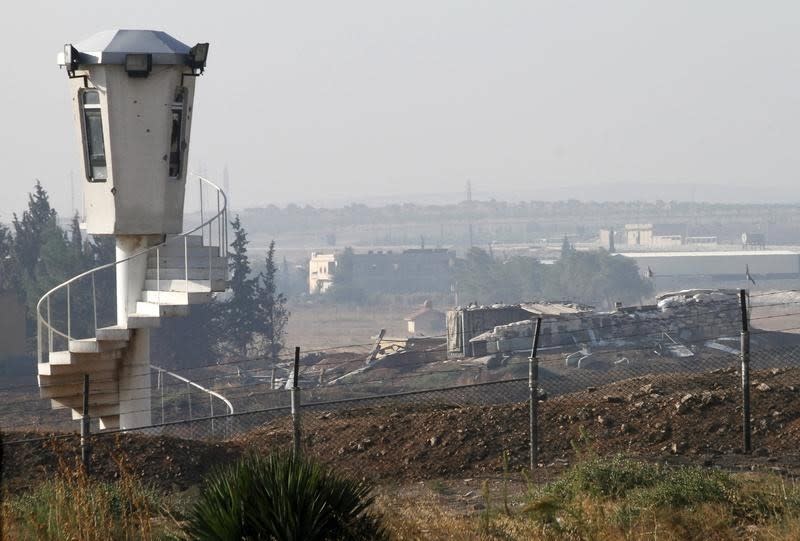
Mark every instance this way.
x=652 y=503
x=601 y=499
x=72 y=506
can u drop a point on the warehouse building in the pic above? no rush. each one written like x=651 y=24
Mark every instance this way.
x=672 y=271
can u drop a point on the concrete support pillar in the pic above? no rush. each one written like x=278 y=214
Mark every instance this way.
x=130 y=274
x=134 y=368
x=134 y=382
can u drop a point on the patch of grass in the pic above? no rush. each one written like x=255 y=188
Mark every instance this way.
x=439 y=487
x=74 y=506
x=683 y=487
x=603 y=477
x=620 y=497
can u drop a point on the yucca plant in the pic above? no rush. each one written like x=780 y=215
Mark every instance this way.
x=282 y=497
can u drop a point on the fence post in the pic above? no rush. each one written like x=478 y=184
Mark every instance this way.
x=296 y=402
x=189 y=397
x=211 y=401
x=85 y=428
x=161 y=386
x=533 y=388
x=745 y=354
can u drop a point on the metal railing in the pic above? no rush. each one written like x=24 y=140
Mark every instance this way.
x=189 y=384
x=212 y=230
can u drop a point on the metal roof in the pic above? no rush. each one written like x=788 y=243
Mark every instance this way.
x=111 y=47
x=732 y=253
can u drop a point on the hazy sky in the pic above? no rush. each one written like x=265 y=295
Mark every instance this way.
x=329 y=101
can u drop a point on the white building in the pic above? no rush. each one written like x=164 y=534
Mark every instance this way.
x=321 y=270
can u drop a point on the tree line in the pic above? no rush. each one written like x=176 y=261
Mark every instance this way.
x=37 y=254
x=596 y=278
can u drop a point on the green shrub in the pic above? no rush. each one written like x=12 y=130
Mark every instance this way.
x=621 y=497
x=610 y=477
x=282 y=497
x=684 y=487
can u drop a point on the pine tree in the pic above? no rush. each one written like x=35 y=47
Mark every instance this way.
x=75 y=236
x=566 y=247
x=271 y=313
x=37 y=227
x=237 y=322
x=7 y=271
x=29 y=229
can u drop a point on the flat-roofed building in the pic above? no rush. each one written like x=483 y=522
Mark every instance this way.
x=655 y=235
x=683 y=270
x=419 y=270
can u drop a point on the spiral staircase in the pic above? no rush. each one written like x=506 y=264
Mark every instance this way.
x=178 y=271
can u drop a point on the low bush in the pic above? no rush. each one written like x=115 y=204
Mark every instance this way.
x=611 y=477
x=282 y=497
x=620 y=497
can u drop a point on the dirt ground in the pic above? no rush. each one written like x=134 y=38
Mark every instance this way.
x=676 y=418
x=319 y=326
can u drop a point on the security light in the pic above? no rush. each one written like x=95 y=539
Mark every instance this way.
x=138 y=65
x=70 y=57
x=198 y=56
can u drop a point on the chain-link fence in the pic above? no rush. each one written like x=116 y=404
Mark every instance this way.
x=656 y=397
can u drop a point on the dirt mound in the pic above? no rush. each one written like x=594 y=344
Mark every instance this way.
x=691 y=416
x=168 y=463
x=686 y=418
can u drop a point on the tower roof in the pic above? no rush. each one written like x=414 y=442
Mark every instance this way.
x=111 y=47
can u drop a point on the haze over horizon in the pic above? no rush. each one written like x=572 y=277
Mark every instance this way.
x=357 y=101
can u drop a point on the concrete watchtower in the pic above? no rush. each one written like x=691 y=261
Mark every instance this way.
x=132 y=94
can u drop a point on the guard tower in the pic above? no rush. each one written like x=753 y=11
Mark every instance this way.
x=132 y=93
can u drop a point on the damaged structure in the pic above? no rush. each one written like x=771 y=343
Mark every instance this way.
x=426 y=321
x=466 y=324
x=683 y=316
